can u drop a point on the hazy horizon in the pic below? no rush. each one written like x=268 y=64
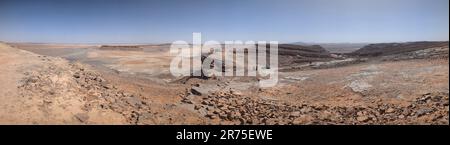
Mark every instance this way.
x=287 y=21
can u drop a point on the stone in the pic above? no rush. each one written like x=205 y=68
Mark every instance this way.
x=76 y=75
x=133 y=101
x=254 y=121
x=270 y=121
x=362 y=118
x=242 y=120
x=359 y=86
x=216 y=111
x=198 y=91
x=305 y=110
x=82 y=117
x=295 y=114
x=422 y=112
x=390 y=110
x=203 y=90
x=234 y=92
x=211 y=115
x=107 y=85
x=360 y=113
x=185 y=100
x=205 y=102
x=304 y=119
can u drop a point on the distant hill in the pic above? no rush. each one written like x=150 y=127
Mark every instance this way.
x=336 y=47
x=292 y=54
x=121 y=47
x=396 y=48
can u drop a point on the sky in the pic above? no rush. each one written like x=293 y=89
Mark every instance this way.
x=165 y=21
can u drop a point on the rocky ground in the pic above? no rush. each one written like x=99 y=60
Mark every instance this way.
x=232 y=108
x=406 y=88
x=53 y=91
x=38 y=89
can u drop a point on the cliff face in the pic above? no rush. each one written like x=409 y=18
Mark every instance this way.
x=291 y=54
x=122 y=48
x=382 y=49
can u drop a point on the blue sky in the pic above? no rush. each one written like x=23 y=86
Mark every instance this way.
x=155 y=21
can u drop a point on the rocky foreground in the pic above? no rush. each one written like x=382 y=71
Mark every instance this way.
x=233 y=108
x=47 y=90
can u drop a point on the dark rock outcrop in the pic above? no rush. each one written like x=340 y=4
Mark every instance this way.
x=383 y=49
